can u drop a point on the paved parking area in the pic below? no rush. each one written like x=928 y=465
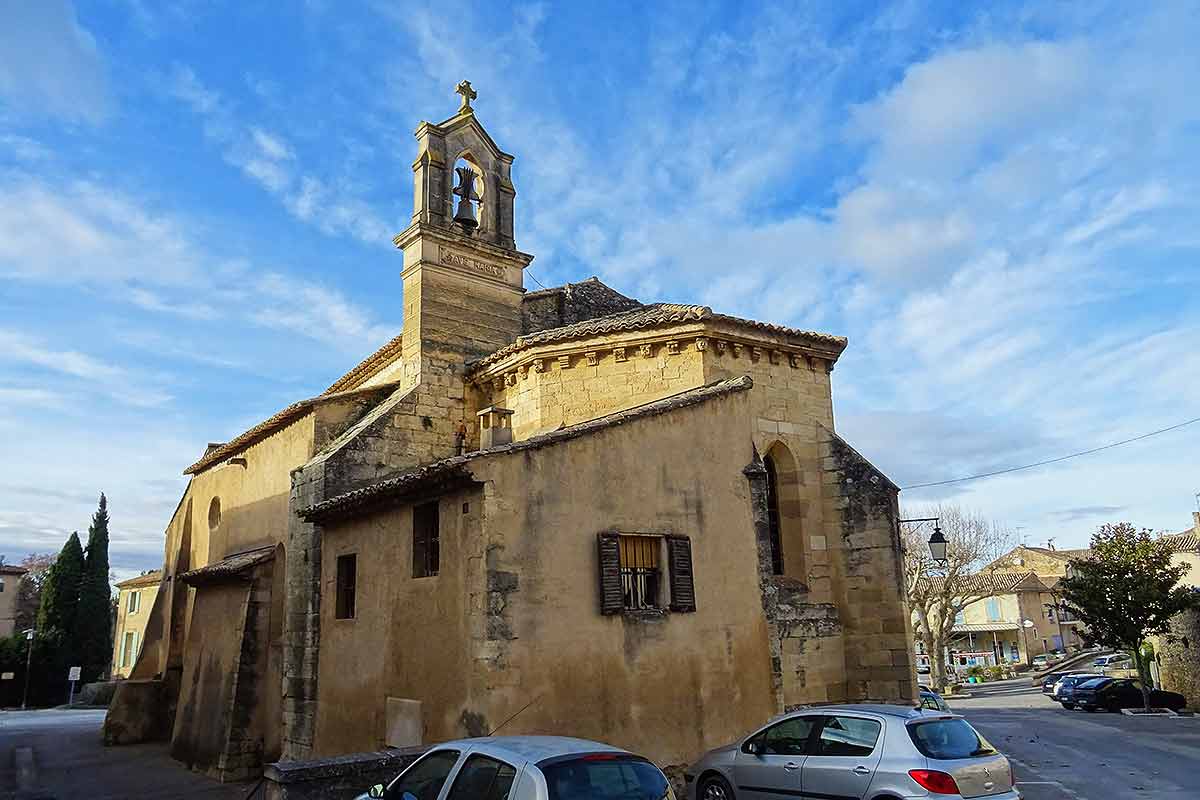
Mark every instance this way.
x=1072 y=755
x=58 y=755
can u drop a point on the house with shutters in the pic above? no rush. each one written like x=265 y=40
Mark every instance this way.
x=563 y=511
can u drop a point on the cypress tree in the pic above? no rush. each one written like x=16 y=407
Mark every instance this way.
x=60 y=592
x=93 y=628
x=59 y=608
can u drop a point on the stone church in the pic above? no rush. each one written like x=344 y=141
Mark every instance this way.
x=613 y=519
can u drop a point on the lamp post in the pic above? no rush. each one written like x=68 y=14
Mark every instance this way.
x=28 y=661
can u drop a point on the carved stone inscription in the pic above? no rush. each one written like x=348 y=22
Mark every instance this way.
x=453 y=259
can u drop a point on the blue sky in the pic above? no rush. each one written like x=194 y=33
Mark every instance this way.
x=996 y=204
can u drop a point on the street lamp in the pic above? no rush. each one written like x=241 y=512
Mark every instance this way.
x=937 y=542
x=28 y=661
x=937 y=546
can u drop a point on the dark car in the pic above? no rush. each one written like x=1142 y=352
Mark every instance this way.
x=1065 y=689
x=933 y=701
x=1113 y=694
x=1051 y=679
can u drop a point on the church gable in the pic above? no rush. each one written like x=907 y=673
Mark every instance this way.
x=571 y=303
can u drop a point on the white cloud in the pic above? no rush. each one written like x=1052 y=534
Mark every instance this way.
x=51 y=65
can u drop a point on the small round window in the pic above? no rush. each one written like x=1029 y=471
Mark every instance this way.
x=214 y=513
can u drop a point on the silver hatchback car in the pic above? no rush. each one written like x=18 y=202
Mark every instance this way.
x=526 y=768
x=855 y=752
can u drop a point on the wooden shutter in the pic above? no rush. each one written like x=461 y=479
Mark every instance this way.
x=612 y=600
x=679 y=568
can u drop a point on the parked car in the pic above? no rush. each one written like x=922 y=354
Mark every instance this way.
x=1050 y=679
x=932 y=701
x=1113 y=694
x=525 y=768
x=1064 y=690
x=854 y=751
x=1112 y=661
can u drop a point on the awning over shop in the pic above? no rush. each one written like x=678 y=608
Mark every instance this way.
x=986 y=627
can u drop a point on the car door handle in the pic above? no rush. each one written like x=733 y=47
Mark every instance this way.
x=861 y=770
x=791 y=766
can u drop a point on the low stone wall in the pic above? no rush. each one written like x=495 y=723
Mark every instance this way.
x=96 y=694
x=337 y=777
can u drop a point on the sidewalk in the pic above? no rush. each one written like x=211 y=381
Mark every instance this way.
x=55 y=753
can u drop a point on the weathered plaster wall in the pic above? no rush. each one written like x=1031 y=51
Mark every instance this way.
x=523 y=561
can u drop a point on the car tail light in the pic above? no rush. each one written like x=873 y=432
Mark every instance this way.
x=934 y=781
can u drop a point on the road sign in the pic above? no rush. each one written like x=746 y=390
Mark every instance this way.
x=74 y=674
x=7 y=676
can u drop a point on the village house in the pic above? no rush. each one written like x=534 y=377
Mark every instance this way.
x=1178 y=653
x=10 y=580
x=135 y=598
x=565 y=510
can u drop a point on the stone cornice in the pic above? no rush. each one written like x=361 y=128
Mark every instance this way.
x=449 y=236
x=721 y=336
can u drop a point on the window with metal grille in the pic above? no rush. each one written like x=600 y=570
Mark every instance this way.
x=631 y=572
x=426 y=546
x=640 y=574
x=347 y=578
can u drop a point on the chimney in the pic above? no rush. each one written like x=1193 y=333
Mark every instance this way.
x=495 y=427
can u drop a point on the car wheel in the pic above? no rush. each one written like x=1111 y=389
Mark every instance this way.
x=1114 y=709
x=1088 y=709
x=1068 y=706
x=715 y=788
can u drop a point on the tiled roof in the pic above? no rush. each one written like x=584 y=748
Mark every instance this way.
x=1061 y=555
x=262 y=430
x=453 y=470
x=991 y=582
x=228 y=567
x=650 y=316
x=149 y=579
x=367 y=367
x=1182 y=542
x=12 y=569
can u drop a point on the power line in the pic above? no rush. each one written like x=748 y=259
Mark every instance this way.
x=1053 y=460
x=535 y=280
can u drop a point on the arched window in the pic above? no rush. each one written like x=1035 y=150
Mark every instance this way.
x=773 y=516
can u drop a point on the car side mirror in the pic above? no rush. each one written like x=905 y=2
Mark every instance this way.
x=754 y=748
x=376 y=791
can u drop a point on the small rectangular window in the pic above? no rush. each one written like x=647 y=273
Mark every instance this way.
x=347 y=578
x=426 y=545
x=134 y=602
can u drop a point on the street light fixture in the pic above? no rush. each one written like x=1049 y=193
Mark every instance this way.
x=937 y=542
x=937 y=546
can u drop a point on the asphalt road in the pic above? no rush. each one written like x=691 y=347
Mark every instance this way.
x=1072 y=755
x=58 y=755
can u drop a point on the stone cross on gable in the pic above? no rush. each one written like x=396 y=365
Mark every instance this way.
x=468 y=94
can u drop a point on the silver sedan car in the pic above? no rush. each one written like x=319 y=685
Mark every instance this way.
x=855 y=752
x=526 y=768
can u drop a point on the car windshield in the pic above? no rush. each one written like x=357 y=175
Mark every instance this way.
x=1092 y=683
x=605 y=777
x=948 y=738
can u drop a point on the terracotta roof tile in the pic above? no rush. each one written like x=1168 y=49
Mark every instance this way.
x=151 y=578
x=279 y=420
x=990 y=582
x=367 y=367
x=228 y=567
x=650 y=316
x=453 y=469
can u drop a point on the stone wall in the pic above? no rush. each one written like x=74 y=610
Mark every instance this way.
x=862 y=510
x=344 y=776
x=1179 y=656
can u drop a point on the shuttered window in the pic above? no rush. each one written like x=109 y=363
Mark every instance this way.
x=347 y=586
x=426 y=541
x=631 y=572
x=679 y=567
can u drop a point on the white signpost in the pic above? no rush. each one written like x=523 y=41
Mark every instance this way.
x=73 y=676
x=7 y=676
